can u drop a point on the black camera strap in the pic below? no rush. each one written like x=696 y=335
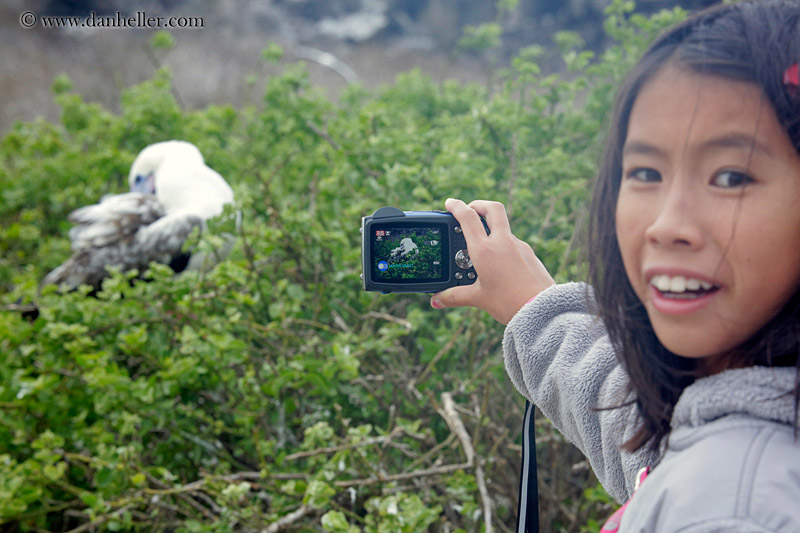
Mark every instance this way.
x=528 y=510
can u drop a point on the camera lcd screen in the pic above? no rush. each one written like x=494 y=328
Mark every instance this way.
x=409 y=253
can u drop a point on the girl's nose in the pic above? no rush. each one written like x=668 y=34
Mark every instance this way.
x=677 y=221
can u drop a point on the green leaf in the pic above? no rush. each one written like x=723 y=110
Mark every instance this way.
x=318 y=494
x=162 y=40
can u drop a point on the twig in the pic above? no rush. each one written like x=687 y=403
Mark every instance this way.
x=485 y=500
x=288 y=520
x=185 y=497
x=239 y=476
x=513 y=172
x=549 y=215
x=450 y=416
x=99 y=520
x=571 y=243
x=435 y=471
x=455 y=424
x=206 y=498
x=328 y=60
x=391 y=318
x=412 y=384
x=340 y=322
x=19 y=308
x=312 y=323
x=157 y=63
x=477 y=375
x=555 y=499
x=433 y=451
x=333 y=449
x=324 y=135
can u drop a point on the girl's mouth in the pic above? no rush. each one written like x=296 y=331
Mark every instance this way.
x=679 y=295
x=682 y=288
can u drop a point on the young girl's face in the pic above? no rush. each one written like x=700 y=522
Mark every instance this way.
x=708 y=212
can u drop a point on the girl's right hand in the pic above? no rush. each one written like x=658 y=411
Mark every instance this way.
x=509 y=273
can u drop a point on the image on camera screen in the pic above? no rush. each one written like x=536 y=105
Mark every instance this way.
x=410 y=254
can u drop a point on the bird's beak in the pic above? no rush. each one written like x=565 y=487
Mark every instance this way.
x=144 y=184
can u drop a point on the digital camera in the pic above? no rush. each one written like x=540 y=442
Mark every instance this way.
x=414 y=251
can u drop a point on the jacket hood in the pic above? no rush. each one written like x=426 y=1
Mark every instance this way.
x=762 y=392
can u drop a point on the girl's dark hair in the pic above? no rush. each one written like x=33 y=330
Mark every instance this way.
x=753 y=41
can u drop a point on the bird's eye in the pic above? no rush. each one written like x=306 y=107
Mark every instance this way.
x=139 y=178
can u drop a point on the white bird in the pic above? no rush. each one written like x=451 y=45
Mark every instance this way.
x=406 y=247
x=172 y=192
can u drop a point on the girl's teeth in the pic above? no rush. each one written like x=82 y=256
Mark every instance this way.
x=679 y=284
x=661 y=283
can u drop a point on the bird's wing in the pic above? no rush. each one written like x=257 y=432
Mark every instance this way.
x=163 y=239
x=125 y=231
x=116 y=218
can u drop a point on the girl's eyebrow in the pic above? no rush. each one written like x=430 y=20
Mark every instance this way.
x=732 y=140
x=641 y=147
x=738 y=140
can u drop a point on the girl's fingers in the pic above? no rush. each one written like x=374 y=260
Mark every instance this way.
x=469 y=219
x=509 y=273
x=494 y=213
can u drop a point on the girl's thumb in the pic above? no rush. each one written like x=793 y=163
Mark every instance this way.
x=453 y=297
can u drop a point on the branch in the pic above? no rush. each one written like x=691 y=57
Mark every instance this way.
x=455 y=424
x=391 y=318
x=324 y=135
x=412 y=384
x=333 y=449
x=446 y=469
x=450 y=416
x=433 y=451
x=513 y=178
x=99 y=520
x=183 y=496
x=288 y=520
x=19 y=308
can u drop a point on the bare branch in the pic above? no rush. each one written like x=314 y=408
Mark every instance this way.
x=333 y=449
x=450 y=415
x=288 y=520
x=324 y=134
x=412 y=384
x=435 y=471
x=391 y=318
x=102 y=519
x=513 y=177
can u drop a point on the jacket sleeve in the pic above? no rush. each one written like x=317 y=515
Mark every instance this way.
x=559 y=356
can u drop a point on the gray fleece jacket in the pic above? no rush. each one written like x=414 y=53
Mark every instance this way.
x=731 y=463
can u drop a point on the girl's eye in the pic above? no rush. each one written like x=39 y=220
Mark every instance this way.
x=644 y=174
x=730 y=179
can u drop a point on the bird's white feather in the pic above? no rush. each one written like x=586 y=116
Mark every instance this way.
x=132 y=229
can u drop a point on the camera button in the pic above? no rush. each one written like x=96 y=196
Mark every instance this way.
x=457 y=229
x=462 y=259
x=459 y=275
x=471 y=275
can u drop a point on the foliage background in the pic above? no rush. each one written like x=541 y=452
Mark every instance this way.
x=273 y=393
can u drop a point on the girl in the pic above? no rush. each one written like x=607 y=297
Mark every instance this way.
x=695 y=268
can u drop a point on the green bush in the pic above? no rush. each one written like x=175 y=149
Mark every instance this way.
x=272 y=392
